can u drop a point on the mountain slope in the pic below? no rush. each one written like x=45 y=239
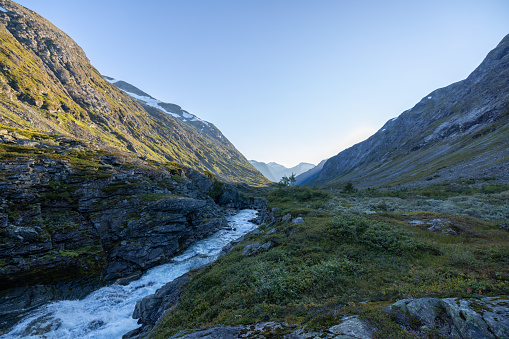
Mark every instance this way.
x=305 y=177
x=47 y=84
x=174 y=110
x=457 y=132
x=274 y=171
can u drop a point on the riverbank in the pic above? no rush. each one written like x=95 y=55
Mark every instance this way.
x=74 y=221
x=107 y=312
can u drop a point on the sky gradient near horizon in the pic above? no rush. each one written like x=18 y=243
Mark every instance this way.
x=287 y=81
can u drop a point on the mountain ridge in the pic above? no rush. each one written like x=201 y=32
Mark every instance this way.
x=171 y=109
x=453 y=133
x=274 y=171
x=305 y=177
x=47 y=84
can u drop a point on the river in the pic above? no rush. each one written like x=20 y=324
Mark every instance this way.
x=106 y=313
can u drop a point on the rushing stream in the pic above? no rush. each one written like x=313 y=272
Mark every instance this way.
x=106 y=313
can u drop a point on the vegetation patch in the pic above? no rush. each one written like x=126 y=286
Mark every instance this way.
x=336 y=264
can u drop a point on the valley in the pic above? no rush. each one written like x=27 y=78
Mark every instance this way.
x=123 y=216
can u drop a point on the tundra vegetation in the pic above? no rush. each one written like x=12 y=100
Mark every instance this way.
x=356 y=252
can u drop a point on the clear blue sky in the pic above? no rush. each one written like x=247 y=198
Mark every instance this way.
x=285 y=80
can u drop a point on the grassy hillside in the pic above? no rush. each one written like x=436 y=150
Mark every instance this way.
x=47 y=84
x=355 y=254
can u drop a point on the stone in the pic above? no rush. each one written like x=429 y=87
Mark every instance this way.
x=212 y=333
x=152 y=307
x=352 y=327
x=424 y=309
x=298 y=220
x=286 y=217
x=456 y=318
x=256 y=248
x=272 y=231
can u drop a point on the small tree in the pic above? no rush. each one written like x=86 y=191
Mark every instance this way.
x=349 y=188
x=287 y=181
x=284 y=182
x=292 y=179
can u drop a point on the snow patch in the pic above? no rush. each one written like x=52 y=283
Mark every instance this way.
x=429 y=97
x=151 y=102
x=3 y=9
x=383 y=129
x=184 y=116
x=111 y=80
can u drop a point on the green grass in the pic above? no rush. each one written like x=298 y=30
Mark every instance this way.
x=337 y=264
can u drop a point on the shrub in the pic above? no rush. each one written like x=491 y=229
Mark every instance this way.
x=377 y=235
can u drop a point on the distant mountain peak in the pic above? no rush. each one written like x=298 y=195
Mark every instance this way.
x=274 y=171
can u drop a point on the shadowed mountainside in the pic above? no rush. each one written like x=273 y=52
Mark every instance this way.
x=456 y=132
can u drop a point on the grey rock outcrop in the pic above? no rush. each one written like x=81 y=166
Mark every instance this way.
x=151 y=308
x=348 y=328
x=61 y=223
x=212 y=333
x=256 y=248
x=352 y=327
x=476 y=318
x=456 y=318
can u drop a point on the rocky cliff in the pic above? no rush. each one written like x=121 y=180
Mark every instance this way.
x=456 y=132
x=74 y=216
x=47 y=84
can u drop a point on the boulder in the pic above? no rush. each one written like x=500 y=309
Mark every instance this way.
x=256 y=248
x=456 y=318
x=152 y=307
x=352 y=327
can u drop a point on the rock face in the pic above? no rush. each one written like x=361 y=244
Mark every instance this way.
x=455 y=318
x=74 y=217
x=455 y=132
x=47 y=84
x=151 y=308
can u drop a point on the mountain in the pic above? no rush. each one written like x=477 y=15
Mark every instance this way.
x=454 y=133
x=174 y=110
x=48 y=85
x=305 y=177
x=274 y=171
